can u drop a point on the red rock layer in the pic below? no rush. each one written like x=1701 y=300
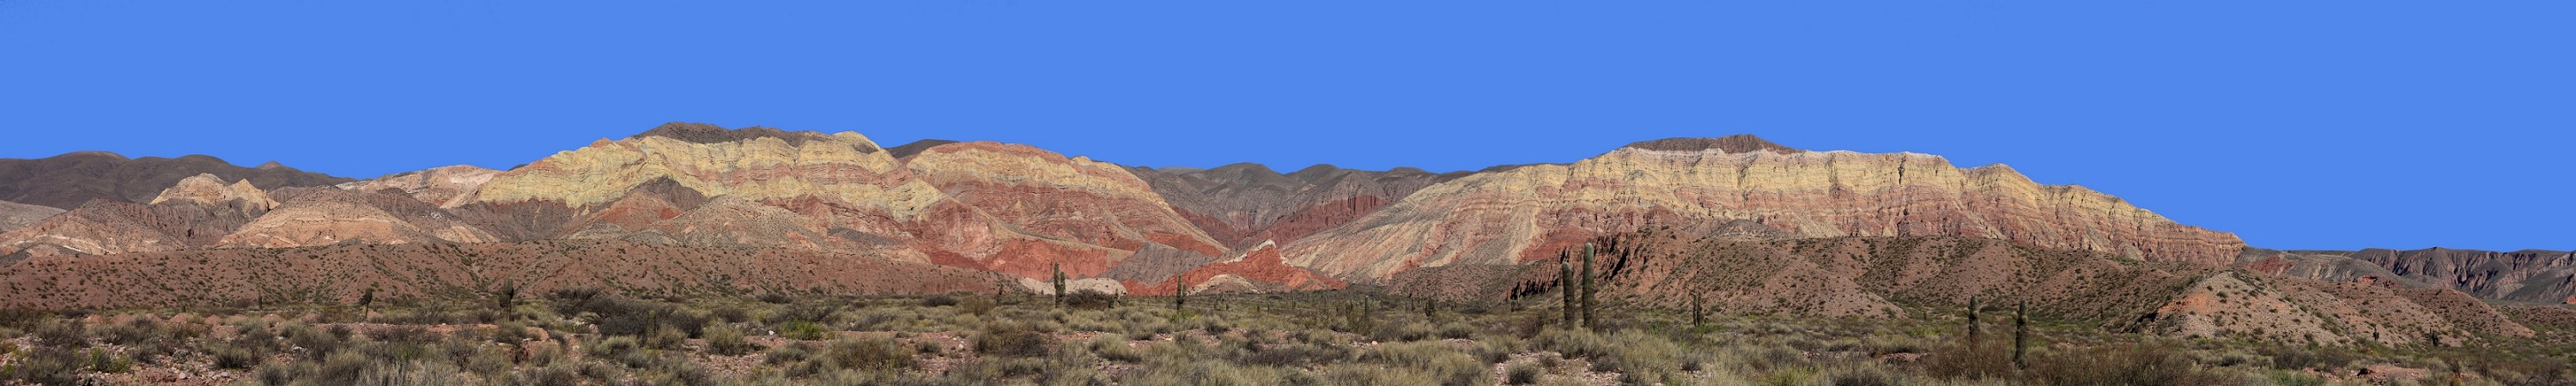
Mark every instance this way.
x=1259 y=265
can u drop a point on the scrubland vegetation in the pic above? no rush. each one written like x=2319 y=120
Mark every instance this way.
x=586 y=337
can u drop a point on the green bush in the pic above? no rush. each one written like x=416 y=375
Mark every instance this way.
x=724 y=339
x=2141 y=364
x=868 y=353
x=803 y=330
x=1011 y=341
x=1434 y=359
x=44 y=366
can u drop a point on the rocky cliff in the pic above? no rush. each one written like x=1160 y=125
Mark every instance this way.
x=1508 y=216
x=444 y=186
x=1247 y=204
x=2528 y=275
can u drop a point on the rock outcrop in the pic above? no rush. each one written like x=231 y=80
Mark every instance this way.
x=1247 y=204
x=105 y=227
x=1507 y=216
x=209 y=190
x=331 y=216
x=1007 y=208
x=15 y=215
x=1021 y=210
x=71 y=180
x=2528 y=275
x=444 y=186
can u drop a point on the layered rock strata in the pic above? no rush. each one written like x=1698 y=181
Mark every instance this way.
x=1505 y=217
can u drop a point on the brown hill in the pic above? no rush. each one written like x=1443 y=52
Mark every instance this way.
x=1246 y=204
x=445 y=186
x=2528 y=275
x=1516 y=215
x=73 y=179
x=14 y=215
x=1873 y=276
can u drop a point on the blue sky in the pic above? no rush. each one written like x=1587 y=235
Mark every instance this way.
x=2296 y=124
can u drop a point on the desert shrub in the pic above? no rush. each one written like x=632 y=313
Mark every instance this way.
x=1400 y=332
x=139 y=331
x=341 y=369
x=1456 y=330
x=1375 y=374
x=724 y=339
x=2142 y=364
x=317 y=344
x=2295 y=358
x=1090 y=300
x=65 y=334
x=1961 y=361
x=1572 y=343
x=548 y=376
x=44 y=366
x=938 y=301
x=803 y=330
x=1864 y=374
x=1295 y=355
x=666 y=338
x=730 y=313
x=1011 y=341
x=1522 y=373
x=777 y=298
x=1114 y=348
x=232 y=356
x=818 y=312
x=788 y=353
x=410 y=373
x=1434 y=359
x=867 y=353
x=404 y=334
x=615 y=346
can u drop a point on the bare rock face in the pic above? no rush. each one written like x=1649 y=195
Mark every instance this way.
x=1503 y=217
x=1247 y=204
x=444 y=186
x=2528 y=275
x=71 y=180
x=1022 y=210
x=1255 y=270
x=209 y=190
x=756 y=164
x=105 y=227
x=1006 y=208
x=14 y=215
x=331 y=216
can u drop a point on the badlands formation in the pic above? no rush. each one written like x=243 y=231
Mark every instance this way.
x=1750 y=225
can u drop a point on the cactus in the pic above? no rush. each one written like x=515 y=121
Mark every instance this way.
x=1180 y=291
x=1058 y=280
x=2021 y=331
x=1565 y=282
x=1699 y=315
x=1589 y=288
x=1972 y=321
x=508 y=293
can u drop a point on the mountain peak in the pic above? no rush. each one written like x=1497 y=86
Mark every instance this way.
x=1739 y=143
x=270 y=165
x=706 y=133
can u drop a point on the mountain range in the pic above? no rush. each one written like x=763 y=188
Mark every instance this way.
x=1740 y=223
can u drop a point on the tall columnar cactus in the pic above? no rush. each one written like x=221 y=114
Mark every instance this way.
x=2021 y=331
x=1058 y=280
x=1565 y=283
x=1590 y=286
x=1972 y=321
x=1699 y=314
x=1180 y=291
